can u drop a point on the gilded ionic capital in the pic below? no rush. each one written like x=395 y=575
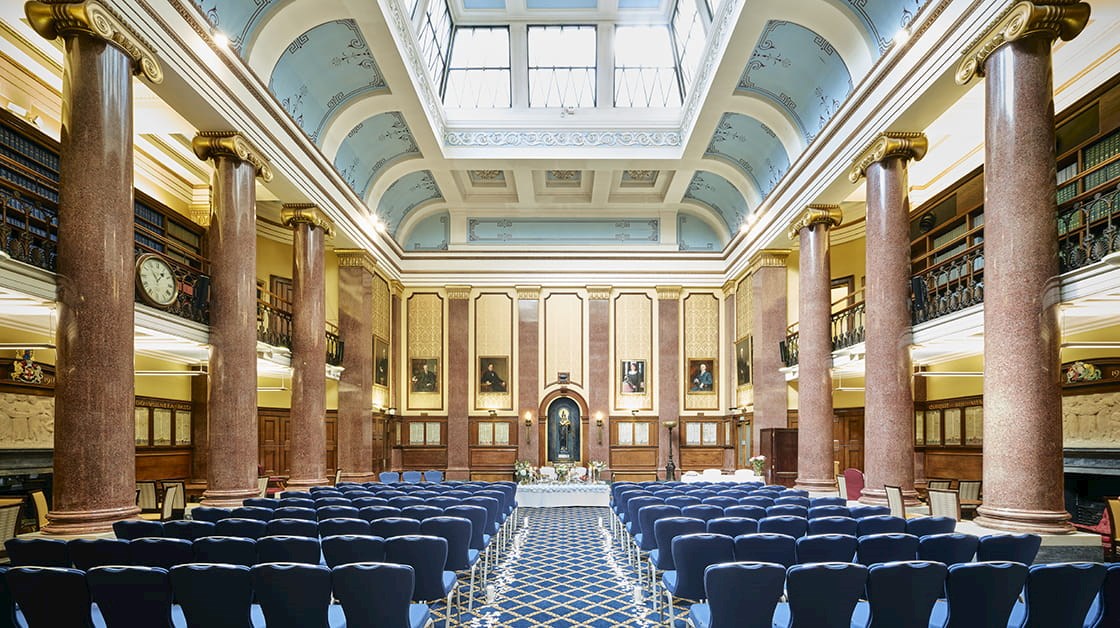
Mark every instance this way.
x=598 y=293
x=829 y=215
x=528 y=293
x=458 y=292
x=887 y=145
x=1054 y=19
x=356 y=258
x=669 y=293
x=213 y=144
x=62 y=19
x=305 y=213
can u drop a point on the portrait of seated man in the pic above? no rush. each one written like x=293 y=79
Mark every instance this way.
x=700 y=376
x=491 y=380
x=423 y=375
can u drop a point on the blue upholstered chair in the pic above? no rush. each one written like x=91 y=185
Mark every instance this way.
x=51 y=596
x=433 y=476
x=692 y=554
x=680 y=501
x=1058 y=595
x=834 y=525
x=295 y=595
x=394 y=526
x=792 y=500
x=723 y=501
x=880 y=524
x=664 y=531
x=1019 y=548
x=272 y=503
x=388 y=586
x=296 y=495
x=859 y=512
x=949 y=548
x=900 y=595
x=347 y=548
x=821 y=595
x=427 y=556
x=37 y=552
x=412 y=476
x=979 y=595
x=1105 y=612
x=187 y=529
x=247 y=528
x=331 y=500
x=7 y=604
x=381 y=511
x=297 y=502
x=295 y=512
x=786 y=492
x=131 y=597
x=288 y=549
x=747 y=511
x=826 y=548
x=291 y=527
x=337 y=512
x=160 y=552
x=214 y=596
x=829 y=511
x=334 y=527
x=444 y=502
x=787 y=510
x=827 y=501
x=404 y=501
x=761 y=501
x=886 y=548
x=740 y=595
x=370 y=500
x=89 y=553
x=789 y=525
x=732 y=526
x=207 y=513
x=230 y=550
x=766 y=547
x=389 y=477
x=701 y=511
x=421 y=512
x=924 y=526
x=252 y=512
x=460 y=556
x=129 y=529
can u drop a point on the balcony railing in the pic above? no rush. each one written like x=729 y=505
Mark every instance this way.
x=847 y=327
x=274 y=326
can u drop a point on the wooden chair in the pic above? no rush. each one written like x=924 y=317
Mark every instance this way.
x=9 y=521
x=40 y=500
x=970 y=495
x=170 y=496
x=148 y=502
x=842 y=486
x=944 y=503
x=262 y=486
x=895 y=501
x=939 y=483
x=337 y=477
x=1112 y=511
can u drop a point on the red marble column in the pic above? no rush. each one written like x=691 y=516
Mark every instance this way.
x=770 y=315
x=458 y=386
x=200 y=427
x=668 y=374
x=94 y=445
x=355 y=386
x=307 y=458
x=528 y=370
x=1022 y=488
x=598 y=389
x=396 y=385
x=232 y=243
x=814 y=411
x=889 y=424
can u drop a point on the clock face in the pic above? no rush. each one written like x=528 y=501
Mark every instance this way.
x=157 y=281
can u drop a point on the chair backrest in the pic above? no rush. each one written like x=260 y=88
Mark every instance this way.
x=457 y=532
x=51 y=596
x=129 y=529
x=667 y=529
x=7 y=605
x=969 y=489
x=89 y=553
x=131 y=596
x=412 y=476
x=1110 y=597
x=374 y=594
x=291 y=527
x=983 y=593
x=723 y=501
x=949 y=548
x=293 y=595
x=732 y=526
x=854 y=483
x=426 y=555
x=860 y=512
x=215 y=596
x=548 y=473
x=160 y=552
x=880 y=524
x=333 y=527
x=922 y=526
x=945 y=503
x=1020 y=548
x=743 y=595
x=886 y=548
x=762 y=501
x=389 y=476
x=349 y=548
x=823 y=595
x=692 y=554
x=784 y=524
x=262 y=486
x=834 y=525
x=766 y=547
x=787 y=510
x=207 y=513
x=230 y=550
x=381 y=511
x=295 y=512
x=829 y=511
x=297 y=502
x=37 y=552
x=187 y=529
x=902 y=594
x=421 y=512
x=826 y=548
x=248 y=528
x=814 y=502
x=938 y=483
x=147 y=500
x=433 y=476
x=1058 y=595
x=337 y=512
x=322 y=502
x=895 y=501
x=750 y=512
x=701 y=511
x=794 y=500
x=40 y=500
x=394 y=526
x=842 y=487
x=288 y=549
x=647 y=518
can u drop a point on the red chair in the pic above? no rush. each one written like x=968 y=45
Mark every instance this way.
x=853 y=479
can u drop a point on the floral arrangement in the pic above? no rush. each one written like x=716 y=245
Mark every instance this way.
x=523 y=471
x=758 y=462
x=563 y=470
x=596 y=467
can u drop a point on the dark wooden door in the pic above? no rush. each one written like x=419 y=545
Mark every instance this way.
x=847 y=434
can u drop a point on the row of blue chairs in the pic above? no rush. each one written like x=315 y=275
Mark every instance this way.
x=410 y=476
x=279 y=595
x=908 y=594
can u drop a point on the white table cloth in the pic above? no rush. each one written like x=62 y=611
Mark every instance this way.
x=558 y=495
x=735 y=479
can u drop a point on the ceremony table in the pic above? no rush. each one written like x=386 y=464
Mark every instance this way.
x=546 y=495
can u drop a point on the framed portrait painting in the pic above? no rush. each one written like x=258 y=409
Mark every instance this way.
x=701 y=375
x=743 y=362
x=380 y=362
x=493 y=374
x=424 y=375
x=633 y=378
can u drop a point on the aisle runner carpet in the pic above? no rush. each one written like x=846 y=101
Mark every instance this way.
x=563 y=571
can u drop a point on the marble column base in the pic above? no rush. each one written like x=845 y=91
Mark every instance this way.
x=1020 y=520
x=815 y=485
x=360 y=477
x=305 y=483
x=228 y=498
x=878 y=497
x=86 y=521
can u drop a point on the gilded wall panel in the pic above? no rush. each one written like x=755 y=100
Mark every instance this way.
x=744 y=327
x=424 y=316
x=381 y=313
x=633 y=351
x=743 y=308
x=564 y=336
x=27 y=421
x=701 y=352
x=493 y=370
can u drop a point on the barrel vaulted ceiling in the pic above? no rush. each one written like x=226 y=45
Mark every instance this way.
x=773 y=76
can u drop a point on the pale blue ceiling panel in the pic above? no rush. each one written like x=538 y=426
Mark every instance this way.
x=484 y=4
x=321 y=71
x=430 y=234
x=237 y=19
x=404 y=195
x=639 y=4
x=799 y=72
x=712 y=190
x=884 y=18
x=371 y=146
x=694 y=234
x=562 y=231
x=561 y=4
x=752 y=147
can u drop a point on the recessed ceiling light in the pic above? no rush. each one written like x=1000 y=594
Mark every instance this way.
x=902 y=36
x=221 y=39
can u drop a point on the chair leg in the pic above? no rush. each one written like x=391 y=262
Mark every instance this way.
x=470 y=591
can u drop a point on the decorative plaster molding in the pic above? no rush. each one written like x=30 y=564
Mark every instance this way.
x=768 y=258
x=556 y=137
x=61 y=19
x=669 y=293
x=829 y=215
x=528 y=293
x=356 y=258
x=213 y=144
x=886 y=145
x=1055 y=19
x=458 y=292
x=305 y=213
x=729 y=287
x=396 y=288
x=599 y=293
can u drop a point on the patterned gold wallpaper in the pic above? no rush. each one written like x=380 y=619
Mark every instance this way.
x=633 y=347
x=565 y=333
x=493 y=343
x=424 y=319
x=701 y=347
x=381 y=313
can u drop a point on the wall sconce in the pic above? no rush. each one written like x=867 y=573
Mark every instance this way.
x=493 y=413
x=528 y=424
x=599 y=424
x=634 y=412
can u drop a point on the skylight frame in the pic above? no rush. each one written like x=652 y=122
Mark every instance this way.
x=507 y=68
x=673 y=68
x=594 y=67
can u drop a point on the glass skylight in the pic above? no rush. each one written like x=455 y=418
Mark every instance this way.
x=562 y=66
x=688 y=38
x=645 y=74
x=479 y=74
x=434 y=37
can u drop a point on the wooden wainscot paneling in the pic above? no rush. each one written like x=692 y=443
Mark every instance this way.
x=633 y=476
x=491 y=476
x=490 y=457
x=424 y=458
x=634 y=457
x=700 y=458
x=163 y=463
x=959 y=464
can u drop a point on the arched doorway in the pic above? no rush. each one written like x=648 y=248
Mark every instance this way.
x=563 y=428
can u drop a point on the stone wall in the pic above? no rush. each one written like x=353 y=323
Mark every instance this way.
x=1091 y=420
x=26 y=421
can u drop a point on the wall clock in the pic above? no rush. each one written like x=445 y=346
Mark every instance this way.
x=155 y=281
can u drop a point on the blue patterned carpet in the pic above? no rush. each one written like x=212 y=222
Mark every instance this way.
x=565 y=570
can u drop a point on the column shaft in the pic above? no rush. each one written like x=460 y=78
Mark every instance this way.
x=668 y=377
x=599 y=388
x=814 y=411
x=770 y=316
x=528 y=374
x=355 y=386
x=94 y=445
x=458 y=386
x=307 y=427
